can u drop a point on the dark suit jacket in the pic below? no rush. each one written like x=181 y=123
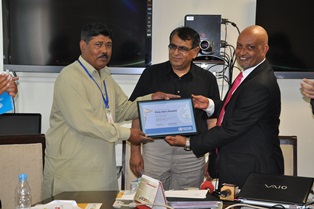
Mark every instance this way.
x=248 y=137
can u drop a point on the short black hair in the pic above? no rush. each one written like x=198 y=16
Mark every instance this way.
x=186 y=33
x=92 y=29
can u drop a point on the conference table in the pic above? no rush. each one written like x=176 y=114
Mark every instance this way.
x=107 y=198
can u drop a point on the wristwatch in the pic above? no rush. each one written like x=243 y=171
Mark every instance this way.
x=187 y=144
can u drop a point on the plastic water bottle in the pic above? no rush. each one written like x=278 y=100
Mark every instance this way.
x=23 y=195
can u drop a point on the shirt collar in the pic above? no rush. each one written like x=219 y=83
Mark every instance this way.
x=103 y=72
x=191 y=72
x=249 y=70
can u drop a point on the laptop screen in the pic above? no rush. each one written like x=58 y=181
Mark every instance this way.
x=20 y=123
x=276 y=188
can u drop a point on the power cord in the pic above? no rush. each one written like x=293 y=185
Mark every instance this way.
x=226 y=21
x=244 y=205
x=118 y=204
x=133 y=205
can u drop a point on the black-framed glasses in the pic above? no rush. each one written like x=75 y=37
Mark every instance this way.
x=182 y=49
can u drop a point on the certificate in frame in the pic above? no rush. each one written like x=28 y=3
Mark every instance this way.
x=159 y=118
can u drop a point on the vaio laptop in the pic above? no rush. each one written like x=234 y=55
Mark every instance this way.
x=276 y=190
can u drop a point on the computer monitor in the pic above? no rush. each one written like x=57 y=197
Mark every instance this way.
x=20 y=123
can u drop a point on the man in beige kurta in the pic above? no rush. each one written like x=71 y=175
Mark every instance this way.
x=87 y=107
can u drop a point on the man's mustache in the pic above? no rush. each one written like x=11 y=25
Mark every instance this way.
x=103 y=56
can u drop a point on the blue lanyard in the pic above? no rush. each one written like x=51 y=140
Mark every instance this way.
x=106 y=100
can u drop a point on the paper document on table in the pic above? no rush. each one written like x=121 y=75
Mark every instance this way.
x=198 y=194
x=64 y=204
x=89 y=205
x=125 y=195
x=67 y=204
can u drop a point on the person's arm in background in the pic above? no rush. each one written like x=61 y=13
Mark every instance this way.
x=308 y=90
x=4 y=82
x=7 y=83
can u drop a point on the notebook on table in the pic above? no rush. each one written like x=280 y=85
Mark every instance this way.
x=270 y=190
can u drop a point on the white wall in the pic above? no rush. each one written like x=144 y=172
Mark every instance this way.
x=36 y=89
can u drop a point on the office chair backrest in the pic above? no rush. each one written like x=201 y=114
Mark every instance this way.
x=21 y=154
x=288 y=146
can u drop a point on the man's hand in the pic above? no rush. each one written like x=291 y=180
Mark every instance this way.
x=137 y=137
x=176 y=140
x=12 y=89
x=136 y=160
x=200 y=102
x=7 y=83
x=308 y=88
x=5 y=80
x=162 y=95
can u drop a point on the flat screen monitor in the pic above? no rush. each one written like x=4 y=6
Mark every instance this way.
x=289 y=26
x=20 y=123
x=44 y=35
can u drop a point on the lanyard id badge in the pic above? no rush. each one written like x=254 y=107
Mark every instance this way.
x=105 y=98
x=109 y=115
x=106 y=101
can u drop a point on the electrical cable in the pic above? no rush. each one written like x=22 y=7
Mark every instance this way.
x=278 y=206
x=134 y=204
x=244 y=205
x=233 y=24
x=228 y=59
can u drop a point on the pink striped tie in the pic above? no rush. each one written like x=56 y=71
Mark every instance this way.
x=235 y=85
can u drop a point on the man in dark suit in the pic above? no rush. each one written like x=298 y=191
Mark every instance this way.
x=247 y=138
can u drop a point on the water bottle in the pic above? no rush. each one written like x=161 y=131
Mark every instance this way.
x=23 y=196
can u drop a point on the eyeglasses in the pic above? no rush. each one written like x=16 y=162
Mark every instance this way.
x=181 y=49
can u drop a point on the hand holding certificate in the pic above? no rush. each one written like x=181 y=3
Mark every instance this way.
x=161 y=95
x=137 y=137
x=159 y=118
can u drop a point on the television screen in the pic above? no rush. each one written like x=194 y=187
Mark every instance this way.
x=289 y=26
x=47 y=33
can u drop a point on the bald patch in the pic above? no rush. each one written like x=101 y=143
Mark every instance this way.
x=258 y=32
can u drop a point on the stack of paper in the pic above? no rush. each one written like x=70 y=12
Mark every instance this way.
x=68 y=204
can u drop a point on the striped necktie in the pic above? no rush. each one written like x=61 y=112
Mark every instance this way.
x=235 y=85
